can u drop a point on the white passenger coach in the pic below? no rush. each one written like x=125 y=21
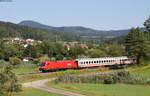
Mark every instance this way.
x=88 y=62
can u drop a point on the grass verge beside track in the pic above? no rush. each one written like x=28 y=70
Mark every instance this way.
x=141 y=70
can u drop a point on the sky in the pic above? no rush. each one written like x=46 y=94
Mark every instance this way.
x=97 y=14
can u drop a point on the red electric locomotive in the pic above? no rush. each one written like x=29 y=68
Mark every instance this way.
x=84 y=62
x=57 y=65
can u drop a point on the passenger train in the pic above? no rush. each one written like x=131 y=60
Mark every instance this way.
x=84 y=63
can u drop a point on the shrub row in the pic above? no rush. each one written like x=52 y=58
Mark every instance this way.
x=120 y=76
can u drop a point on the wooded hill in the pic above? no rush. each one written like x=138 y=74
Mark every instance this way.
x=78 y=30
x=8 y=29
x=87 y=34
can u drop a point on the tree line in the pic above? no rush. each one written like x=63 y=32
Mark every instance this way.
x=57 y=51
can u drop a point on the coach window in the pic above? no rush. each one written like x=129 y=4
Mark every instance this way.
x=94 y=61
x=87 y=62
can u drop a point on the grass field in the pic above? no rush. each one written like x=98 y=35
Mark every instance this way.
x=33 y=77
x=104 y=89
x=23 y=70
x=35 y=92
x=142 y=70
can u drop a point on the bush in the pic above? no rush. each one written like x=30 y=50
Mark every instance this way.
x=8 y=82
x=105 y=78
x=14 y=61
x=3 y=63
x=43 y=58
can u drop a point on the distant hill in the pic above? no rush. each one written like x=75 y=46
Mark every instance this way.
x=78 y=30
x=8 y=29
x=35 y=24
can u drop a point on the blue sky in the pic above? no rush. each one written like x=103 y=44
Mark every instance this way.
x=97 y=14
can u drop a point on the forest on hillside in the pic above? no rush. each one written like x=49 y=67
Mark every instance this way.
x=14 y=30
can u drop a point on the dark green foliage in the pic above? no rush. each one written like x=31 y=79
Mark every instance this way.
x=147 y=23
x=135 y=44
x=14 y=61
x=138 y=42
x=8 y=82
x=9 y=50
x=95 y=53
x=31 y=51
x=147 y=38
x=113 y=49
x=48 y=48
x=76 y=51
x=59 y=51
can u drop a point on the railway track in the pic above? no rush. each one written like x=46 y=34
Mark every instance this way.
x=37 y=73
x=30 y=73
